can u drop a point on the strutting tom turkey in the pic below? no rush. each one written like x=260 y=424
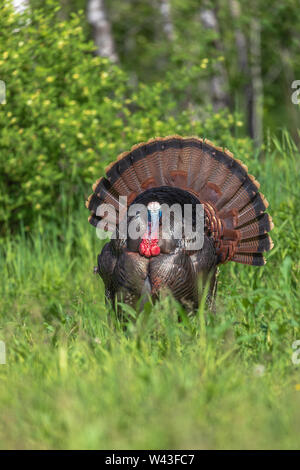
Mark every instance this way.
x=184 y=170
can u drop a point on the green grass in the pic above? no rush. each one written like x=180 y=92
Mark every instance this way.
x=75 y=378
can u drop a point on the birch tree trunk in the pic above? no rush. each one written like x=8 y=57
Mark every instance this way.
x=20 y=5
x=165 y=11
x=97 y=17
x=243 y=62
x=219 y=80
x=257 y=83
x=240 y=39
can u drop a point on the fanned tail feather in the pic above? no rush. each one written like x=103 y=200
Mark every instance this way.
x=234 y=208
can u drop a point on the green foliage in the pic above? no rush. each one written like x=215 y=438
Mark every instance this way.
x=75 y=378
x=69 y=113
x=147 y=53
x=59 y=99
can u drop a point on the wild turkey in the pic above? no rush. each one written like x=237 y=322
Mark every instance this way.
x=186 y=170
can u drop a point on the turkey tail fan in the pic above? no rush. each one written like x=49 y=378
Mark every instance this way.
x=234 y=208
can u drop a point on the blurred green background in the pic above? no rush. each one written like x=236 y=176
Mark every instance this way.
x=86 y=80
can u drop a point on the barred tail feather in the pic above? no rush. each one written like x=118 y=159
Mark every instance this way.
x=234 y=208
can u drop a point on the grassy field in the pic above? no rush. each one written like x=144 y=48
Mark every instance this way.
x=74 y=378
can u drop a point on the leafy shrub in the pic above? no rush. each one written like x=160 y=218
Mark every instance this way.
x=68 y=113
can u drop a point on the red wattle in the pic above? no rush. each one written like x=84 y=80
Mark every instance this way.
x=149 y=247
x=147 y=252
x=155 y=250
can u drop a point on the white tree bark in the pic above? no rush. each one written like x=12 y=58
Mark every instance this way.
x=20 y=5
x=165 y=10
x=243 y=63
x=103 y=38
x=219 y=80
x=257 y=83
x=240 y=39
